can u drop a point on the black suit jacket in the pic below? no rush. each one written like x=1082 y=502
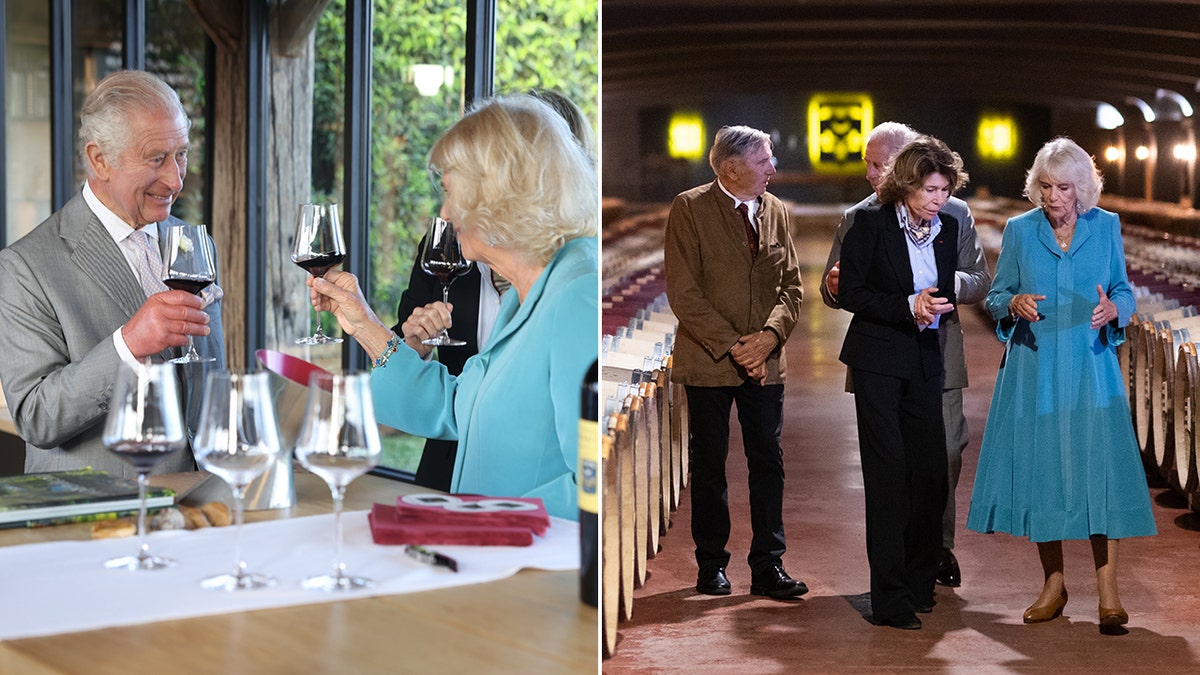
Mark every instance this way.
x=876 y=280
x=437 y=461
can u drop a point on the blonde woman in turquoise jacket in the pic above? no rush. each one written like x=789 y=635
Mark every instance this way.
x=521 y=192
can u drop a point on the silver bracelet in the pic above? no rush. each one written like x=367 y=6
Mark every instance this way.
x=390 y=348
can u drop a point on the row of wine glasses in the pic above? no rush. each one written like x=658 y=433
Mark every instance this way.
x=238 y=440
x=189 y=262
x=318 y=247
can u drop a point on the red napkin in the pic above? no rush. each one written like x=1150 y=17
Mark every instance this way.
x=453 y=519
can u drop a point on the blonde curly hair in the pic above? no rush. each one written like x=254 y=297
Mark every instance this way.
x=520 y=176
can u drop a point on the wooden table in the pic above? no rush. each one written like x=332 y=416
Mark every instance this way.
x=532 y=622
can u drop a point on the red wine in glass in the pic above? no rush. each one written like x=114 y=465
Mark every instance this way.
x=143 y=426
x=318 y=246
x=189 y=264
x=321 y=264
x=193 y=286
x=442 y=257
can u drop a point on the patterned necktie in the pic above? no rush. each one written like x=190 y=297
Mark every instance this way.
x=751 y=233
x=149 y=263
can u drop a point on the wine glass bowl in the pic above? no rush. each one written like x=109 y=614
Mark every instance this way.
x=189 y=264
x=318 y=247
x=338 y=441
x=144 y=425
x=238 y=440
x=441 y=256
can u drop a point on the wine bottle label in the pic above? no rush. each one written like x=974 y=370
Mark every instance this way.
x=589 y=465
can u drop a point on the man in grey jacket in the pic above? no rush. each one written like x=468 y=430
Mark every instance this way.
x=971 y=285
x=83 y=293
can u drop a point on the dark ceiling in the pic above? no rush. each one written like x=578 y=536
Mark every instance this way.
x=1062 y=54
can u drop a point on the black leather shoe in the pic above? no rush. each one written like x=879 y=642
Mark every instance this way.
x=948 y=573
x=909 y=622
x=712 y=582
x=775 y=583
x=925 y=608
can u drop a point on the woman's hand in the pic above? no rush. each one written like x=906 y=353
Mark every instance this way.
x=424 y=323
x=1105 y=311
x=1025 y=306
x=927 y=305
x=338 y=293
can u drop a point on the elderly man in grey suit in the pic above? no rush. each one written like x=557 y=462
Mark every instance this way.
x=83 y=291
x=971 y=285
x=733 y=281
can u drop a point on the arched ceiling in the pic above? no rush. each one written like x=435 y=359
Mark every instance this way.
x=1059 y=53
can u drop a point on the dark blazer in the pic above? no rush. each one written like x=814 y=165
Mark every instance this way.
x=876 y=280
x=437 y=461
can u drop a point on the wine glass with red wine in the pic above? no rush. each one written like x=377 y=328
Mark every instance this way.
x=189 y=264
x=442 y=257
x=317 y=248
x=144 y=425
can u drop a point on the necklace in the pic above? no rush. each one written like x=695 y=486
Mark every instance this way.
x=1064 y=242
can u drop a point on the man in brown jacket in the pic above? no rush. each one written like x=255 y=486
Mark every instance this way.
x=733 y=282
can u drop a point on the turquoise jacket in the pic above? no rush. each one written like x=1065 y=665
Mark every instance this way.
x=514 y=410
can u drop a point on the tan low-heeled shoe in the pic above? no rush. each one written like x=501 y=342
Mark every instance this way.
x=1039 y=613
x=1113 y=617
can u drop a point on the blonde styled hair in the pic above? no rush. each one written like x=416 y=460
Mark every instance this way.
x=520 y=176
x=1061 y=159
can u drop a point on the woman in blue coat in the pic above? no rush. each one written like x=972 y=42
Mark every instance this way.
x=1059 y=460
x=521 y=192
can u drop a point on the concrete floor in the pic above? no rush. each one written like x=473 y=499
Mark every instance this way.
x=976 y=628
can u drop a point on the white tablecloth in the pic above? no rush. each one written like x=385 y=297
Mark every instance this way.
x=63 y=587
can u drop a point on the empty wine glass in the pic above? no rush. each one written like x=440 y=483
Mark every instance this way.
x=189 y=264
x=339 y=441
x=318 y=246
x=237 y=441
x=442 y=257
x=144 y=426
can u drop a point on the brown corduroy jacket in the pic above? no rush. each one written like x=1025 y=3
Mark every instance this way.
x=719 y=293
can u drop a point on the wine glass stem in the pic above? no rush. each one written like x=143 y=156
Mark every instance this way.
x=191 y=353
x=339 y=568
x=239 y=565
x=143 y=547
x=446 y=300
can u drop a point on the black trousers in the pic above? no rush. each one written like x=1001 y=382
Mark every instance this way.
x=902 y=441
x=760 y=415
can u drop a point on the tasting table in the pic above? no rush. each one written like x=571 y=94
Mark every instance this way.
x=532 y=622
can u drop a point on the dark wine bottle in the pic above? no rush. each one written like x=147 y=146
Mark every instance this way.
x=589 y=483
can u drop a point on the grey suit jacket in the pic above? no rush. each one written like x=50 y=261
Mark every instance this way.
x=64 y=289
x=974 y=279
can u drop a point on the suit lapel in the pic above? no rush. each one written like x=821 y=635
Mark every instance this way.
x=94 y=251
x=733 y=229
x=945 y=253
x=896 y=247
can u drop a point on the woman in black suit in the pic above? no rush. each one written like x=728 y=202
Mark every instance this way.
x=898 y=277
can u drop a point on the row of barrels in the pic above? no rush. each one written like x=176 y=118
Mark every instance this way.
x=1159 y=358
x=644 y=463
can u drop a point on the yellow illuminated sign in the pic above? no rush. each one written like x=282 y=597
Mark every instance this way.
x=685 y=136
x=838 y=124
x=996 y=138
